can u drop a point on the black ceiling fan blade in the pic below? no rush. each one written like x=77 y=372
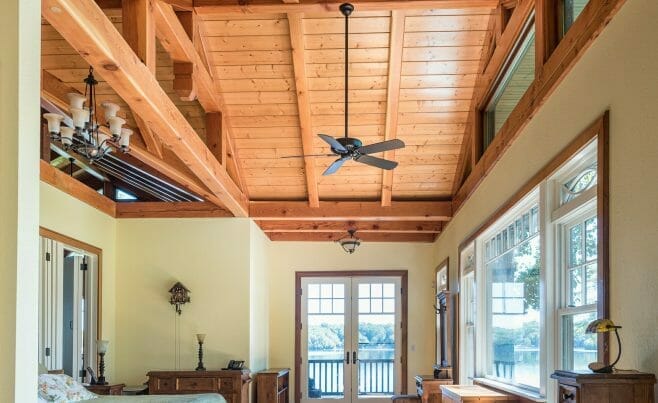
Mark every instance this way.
x=309 y=155
x=380 y=147
x=334 y=166
x=335 y=145
x=376 y=162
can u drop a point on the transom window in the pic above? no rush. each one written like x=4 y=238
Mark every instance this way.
x=571 y=9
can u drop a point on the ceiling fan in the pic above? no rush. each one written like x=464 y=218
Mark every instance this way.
x=347 y=148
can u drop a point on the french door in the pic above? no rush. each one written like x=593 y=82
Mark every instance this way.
x=350 y=338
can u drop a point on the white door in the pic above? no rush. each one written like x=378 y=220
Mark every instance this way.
x=350 y=338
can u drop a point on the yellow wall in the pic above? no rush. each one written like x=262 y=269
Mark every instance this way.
x=212 y=257
x=19 y=198
x=617 y=73
x=66 y=215
x=258 y=291
x=288 y=257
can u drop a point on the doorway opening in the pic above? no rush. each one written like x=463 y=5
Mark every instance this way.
x=351 y=336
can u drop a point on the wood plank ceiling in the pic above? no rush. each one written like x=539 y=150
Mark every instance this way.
x=280 y=73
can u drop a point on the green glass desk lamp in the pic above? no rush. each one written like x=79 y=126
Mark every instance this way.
x=604 y=326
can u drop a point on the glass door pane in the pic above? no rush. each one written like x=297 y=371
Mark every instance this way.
x=325 y=339
x=377 y=337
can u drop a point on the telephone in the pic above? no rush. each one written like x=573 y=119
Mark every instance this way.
x=233 y=364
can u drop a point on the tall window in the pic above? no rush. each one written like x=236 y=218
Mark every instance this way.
x=514 y=81
x=536 y=281
x=511 y=268
x=575 y=221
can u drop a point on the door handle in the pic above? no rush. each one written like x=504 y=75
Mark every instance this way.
x=353 y=357
x=347 y=358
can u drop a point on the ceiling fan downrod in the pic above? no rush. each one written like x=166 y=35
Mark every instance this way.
x=346 y=9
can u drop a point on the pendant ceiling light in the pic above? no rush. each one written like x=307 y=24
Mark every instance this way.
x=83 y=134
x=350 y=243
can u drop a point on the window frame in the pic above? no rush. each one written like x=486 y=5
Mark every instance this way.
x=528 y=36
x=596 y=137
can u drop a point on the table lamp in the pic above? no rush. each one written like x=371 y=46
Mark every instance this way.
x=102 y=349
x=604 y=326
x=200 y=337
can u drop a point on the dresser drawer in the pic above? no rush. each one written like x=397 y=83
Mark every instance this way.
x=567 y=394
x=162 y=385
x=226 y=385
x=197 y=385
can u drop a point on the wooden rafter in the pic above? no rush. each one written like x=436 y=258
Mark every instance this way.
x=86 y=28
x=139 y=33
x=365 y=236
x=396 y=44
x=180 y=47
x=75 y=188
x=304 y=105
x=402 y=227
x=169 y=210
x=346 y=211
x=228 y=7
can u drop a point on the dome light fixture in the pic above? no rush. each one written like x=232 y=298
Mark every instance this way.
x=350 y=243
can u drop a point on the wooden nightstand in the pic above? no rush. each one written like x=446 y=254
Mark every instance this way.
x=272 y=386
x=115 y=389
x=618 y=387
x=429 y=388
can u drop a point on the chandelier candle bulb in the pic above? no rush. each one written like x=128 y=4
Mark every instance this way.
x=54 y=122
x=80 y=117
x=115 y=125
x=67 y=136
x=110 y=109
x=76 y=101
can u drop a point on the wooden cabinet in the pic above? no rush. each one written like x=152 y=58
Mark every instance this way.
x=618 y=387
x=272 y=386
x=232 y=384
x=429 y=388
x=114 y=390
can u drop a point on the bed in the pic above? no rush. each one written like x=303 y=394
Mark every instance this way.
x=60 y=388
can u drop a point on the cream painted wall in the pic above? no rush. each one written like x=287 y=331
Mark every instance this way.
x=258 y=292
x=19 y=198
x=617 y=73
x=66 y=215
x=211 y=258
x=288 y=257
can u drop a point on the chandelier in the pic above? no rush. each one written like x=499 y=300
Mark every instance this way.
x=87 y=137
x=350 y=243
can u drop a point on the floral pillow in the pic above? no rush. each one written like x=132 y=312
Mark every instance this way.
x=62 y=388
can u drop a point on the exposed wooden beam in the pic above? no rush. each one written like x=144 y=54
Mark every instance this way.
x=180 y=47
x=214 y=136
x=227 y=7
x=54 y=91
x=303 y=105
x=396 y=43
x=184 y=71
x=427 y=227
x=592 y=20
x=86 y=28
x=170 y=210
x=345 y=211
x=546 y=31
x=75 y=188
x=364 y=237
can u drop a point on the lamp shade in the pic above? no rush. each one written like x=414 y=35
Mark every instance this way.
x=76 y=101
x=124 y=140
x=67 y=135
x=200 y=337
x=54 y=122
x=350 y=243
x=101 y=345
x=80 y=117
x=115 y=125
x=601 y=326
x=110 y=109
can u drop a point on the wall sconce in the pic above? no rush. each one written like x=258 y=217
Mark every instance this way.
x=180 y=296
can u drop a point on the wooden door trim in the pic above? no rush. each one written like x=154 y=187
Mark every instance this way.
x=404 y=282
x=56 y=236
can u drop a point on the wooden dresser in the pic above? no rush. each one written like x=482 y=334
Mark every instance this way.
x=232 y=384
x=114 y=390
x=272 y=386
x=429 y=388
x=618 y=387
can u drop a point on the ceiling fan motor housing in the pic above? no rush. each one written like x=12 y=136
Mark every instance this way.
x=349 y=143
